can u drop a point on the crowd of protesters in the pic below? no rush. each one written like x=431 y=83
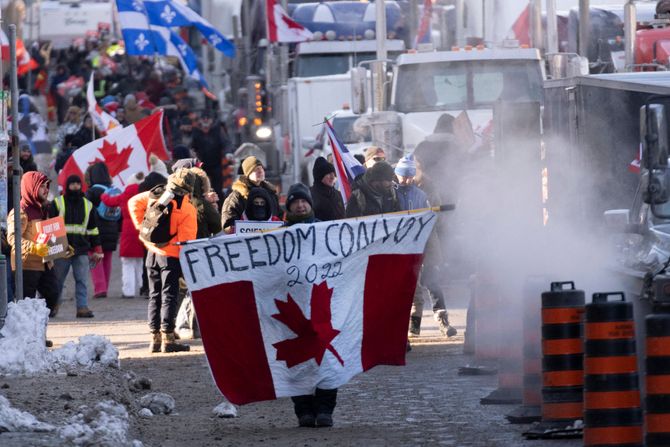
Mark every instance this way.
x=205 y=200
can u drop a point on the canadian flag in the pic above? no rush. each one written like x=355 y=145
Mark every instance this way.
x=102 y=120
x=312 y=305
x=282 y=28
x=125 y=151
x=25 y=63
x=521 y=27
x=635 y=166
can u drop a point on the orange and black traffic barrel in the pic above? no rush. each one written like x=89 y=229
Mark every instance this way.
x=562 y=353
x=657 y=362
x=612 y=412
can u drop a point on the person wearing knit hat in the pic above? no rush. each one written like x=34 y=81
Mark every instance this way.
x=375 y=193
x=314 y=409
x=252 y=167
x=328 y=204
x=406 y=167
x=156 y=165
x=374 y=154
x=253 y=175
x=83 y=237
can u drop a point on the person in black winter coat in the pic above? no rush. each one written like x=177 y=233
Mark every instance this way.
x=328 y=204
x=375 y=193
x=312 y=410
x=236 y=202
x=209 y=145
x=98 y=174
x=83 y=237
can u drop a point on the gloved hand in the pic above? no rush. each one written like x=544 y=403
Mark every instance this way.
x=70 y=252
x=40 y=250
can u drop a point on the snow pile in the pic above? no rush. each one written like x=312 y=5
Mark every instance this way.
x=104 y=425
x=225 y=410
x=12 y=419
x=158 y=403
x=24 y=351
x=90 y=351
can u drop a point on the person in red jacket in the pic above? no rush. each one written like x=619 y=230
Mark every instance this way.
x=131 y=249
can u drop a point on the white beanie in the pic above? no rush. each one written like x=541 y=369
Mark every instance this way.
x=157 y=166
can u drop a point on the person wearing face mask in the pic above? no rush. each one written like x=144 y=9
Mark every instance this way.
x=236 y=202
x=84 y=239
x=375 y=194
x=37 y=274
x=209 y=145
x=328 y=204
x=260 y=206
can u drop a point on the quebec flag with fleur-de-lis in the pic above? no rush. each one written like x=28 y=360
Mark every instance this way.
x=145 y=26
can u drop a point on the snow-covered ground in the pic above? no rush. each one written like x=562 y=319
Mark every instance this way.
x=23 y=352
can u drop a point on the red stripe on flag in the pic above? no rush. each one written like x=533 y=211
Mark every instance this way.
x=231 y=335
x=150 y=132
x=70 y=168
x=390 y=281
x=272 y=25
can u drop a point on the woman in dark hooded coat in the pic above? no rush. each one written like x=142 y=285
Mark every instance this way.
x=98 y=174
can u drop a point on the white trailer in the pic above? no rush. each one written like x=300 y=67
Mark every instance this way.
x=310 y=100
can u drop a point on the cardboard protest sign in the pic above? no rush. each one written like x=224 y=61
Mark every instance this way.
x=52 y=232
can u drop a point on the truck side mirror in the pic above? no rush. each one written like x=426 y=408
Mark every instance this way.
x=359 y=78
x=654 y=140
x=654 y=136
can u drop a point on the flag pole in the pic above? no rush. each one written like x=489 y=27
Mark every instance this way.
x=16 y=167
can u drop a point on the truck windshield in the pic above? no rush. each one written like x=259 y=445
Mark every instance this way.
x=308 y=65
x=344 y=129
x=465 y=84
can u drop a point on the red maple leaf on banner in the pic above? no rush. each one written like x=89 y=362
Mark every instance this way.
x=116 y=162
x=313 y=335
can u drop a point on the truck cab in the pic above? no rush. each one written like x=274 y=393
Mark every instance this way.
x=427 y=85
x=329 y=57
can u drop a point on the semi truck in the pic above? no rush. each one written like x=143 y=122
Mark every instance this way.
x=426 y=85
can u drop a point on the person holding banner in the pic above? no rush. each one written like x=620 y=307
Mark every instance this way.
x=253 y=176
x=162 y=263
x=312 y=410
x=375 y=194
x=328 y=204
x=37 y=274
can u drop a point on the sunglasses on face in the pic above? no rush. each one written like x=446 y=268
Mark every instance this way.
x=377 y=159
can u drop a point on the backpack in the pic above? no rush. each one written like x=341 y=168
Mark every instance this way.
x=155 y=227
x=111 y=213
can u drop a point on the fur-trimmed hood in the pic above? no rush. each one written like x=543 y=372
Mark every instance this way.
x=243 y=185
x=202 y=184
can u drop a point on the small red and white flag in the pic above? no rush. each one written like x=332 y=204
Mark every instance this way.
x=103 y=121
x=4 y=44
x=347 y=168
x=521 y=27
x=312 y=305
x=125 y=151
x=635 y=166
x=282 y=28
x=25 y=62
x=423 y=32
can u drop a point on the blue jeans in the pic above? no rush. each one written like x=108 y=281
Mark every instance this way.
x=81 y=271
